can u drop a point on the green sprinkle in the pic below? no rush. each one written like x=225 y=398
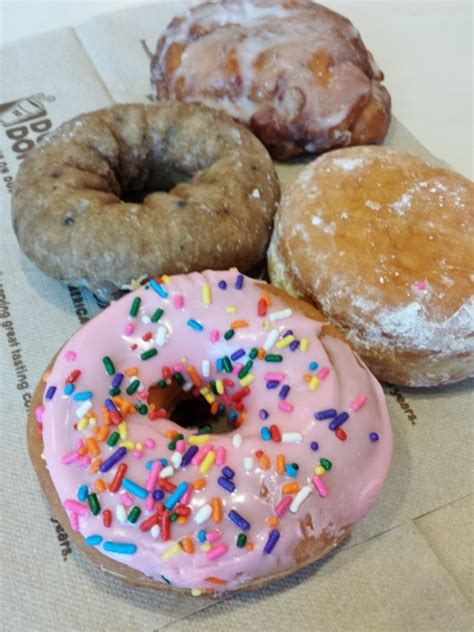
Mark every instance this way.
x=229 y=334
x=112 y=440
x=273 y=357
x=146 y=355
x=162 y=384
x=114 y=391
x=173 y=517
x=157 y=315
x=172 y=444
x=134 y=514
x=253 y=353
x=109 y=365
x=94 y=504
x=133 y=386
x=142 y=409
x=227 y=364
x=135 y=306
x=179 y=378
x=213 y=386
x=246 y=369
x=241 y=540
x=326 y=464
x=204 y=430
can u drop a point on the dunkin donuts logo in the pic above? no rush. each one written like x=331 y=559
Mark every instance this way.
x=23 y=123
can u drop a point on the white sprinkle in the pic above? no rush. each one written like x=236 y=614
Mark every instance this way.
x=203 y=514
x=237 y=441
x=382 y=280
x=284 y=313
x=187 y=386
x=167 y=471
x=271 y=339
x=84 y=408
x=291 y=437
x=160 y=336
x=300 y=497
x=206 y=368
x=256 y=193
x=146 y=319
x=248 y=464
x=176 y=459
x=155 y=531
x=374 y=206
x=121 y=514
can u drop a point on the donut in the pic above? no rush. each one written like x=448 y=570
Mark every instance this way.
x=291 y=451
x=381 y=242
x=296 y=73
x=133 y=191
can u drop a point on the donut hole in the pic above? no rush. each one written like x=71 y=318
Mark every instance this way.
x=161 y=181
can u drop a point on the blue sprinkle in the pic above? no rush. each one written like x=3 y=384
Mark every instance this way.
x=226 y=483
x=273 y=538
x=271 y=384
x=134 y=489
x=113 y=459
x=111 y=406
x=68 y=389
x=373 y=436
x=149 y=464
x=194 y=325
x=283 y=394
x=201 y=536
x=265 y=433
x=263 y=414
x=159 y=289
x=222 y=285
x=239 y=282
x=163 y=462
x=312 y=366
x=237 y=354
x=176 y=495
x=325 y=414
x=219 y=365
x=288 y=332
x=221 y=409
x=291 y=471
x=294 y=345
x=93 y=540
x=314 y=446
x=232 y=415
x=158 y=494
x=188 y=455
x=338 y=421
x=82 y=396
x=239 y=520
x=82 y=493
x=118 y=377
x=120 y=547
x=50 y=392
x=228 y=472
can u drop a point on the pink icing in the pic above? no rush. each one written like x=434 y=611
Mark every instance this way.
x=340 y=497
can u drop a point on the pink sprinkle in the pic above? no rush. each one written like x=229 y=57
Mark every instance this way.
x=220 y=455
x=226 y=399
x=178 y=301
x=213 y=536
x=186 y=497
x=216 y=552
x=283 y=506
x=278 y=377
x=126 y=500
x=77 y=507
x=421 y=285
x=180 y=446
x=149 y=503
x=74 y=520
x=178 y=368
x=237 y=368
x=320 y=486
x=137 y=454
x=153 y=476
x=39 y=412
x=84 y=461
x=285 y=407
x=214 y=335
x=198 y=458
x=80 y=443
x=196 y=392
x=70 y=356
x=129 y=329
x=323 y=373
x=70 y=458
x=149 y=443
x=358 y=402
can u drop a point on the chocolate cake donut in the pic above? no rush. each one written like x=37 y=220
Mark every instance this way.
x=141 y=190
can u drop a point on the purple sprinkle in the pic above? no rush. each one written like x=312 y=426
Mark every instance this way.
x=325 y=414
x=188 y=455
x=273 y=538
x=113 y=459
x=272 y=384
x=239 y=281
x=263 y=414
x=226 y=483
x=111 y=406
x=158 y=494
x=50 y=392
x=118 y=377
x=373 y=436
x=294 y=345
x=237 y=354
x=289 y=332
x=239 y=520
x=314 y=446
x=283 y=394
x=228 y=472
x=222 y=285
x=338 y=421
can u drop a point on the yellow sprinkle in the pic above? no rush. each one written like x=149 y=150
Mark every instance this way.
x=210 y=399
x=319 y=470
x=165 y=279
x=184 y=360
x=130 y=445
x=138 y=446
x=304 y=344
x=82 y=423
x=231 y=309
x=196 y=592
x=205 y=547
x=207 y=462
x=92 y=421
x=123 y=430
x=267 y=324
x=284 y=342
x=220 y=387
x=248 y=379
x=313 y=383
x=198 y=439
x=172 y=551
x=206 y=294
x=204 y=390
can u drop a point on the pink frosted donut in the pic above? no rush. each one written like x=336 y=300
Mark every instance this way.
x=300 y=448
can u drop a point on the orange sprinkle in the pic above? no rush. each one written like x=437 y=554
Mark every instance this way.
x=214 y=407
x=187 y=544
x=102 y=433
x=182 y=519
x=194 y=375
x=171 y=434
x=239 y=324
x=216 y=580
x=83 y=451
x=249 y=546
x=290 y=488
x=100 y=485
x=199 y=484
x=267 y=299
x=272 y=521
x=307 y=377
x=89 y=414
x=280 y=463
x=216 y=509
x=261 y=353
x=131 y=371
x=265 y=462
x=93 y=446
x=94 y=468
x=132 y=410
